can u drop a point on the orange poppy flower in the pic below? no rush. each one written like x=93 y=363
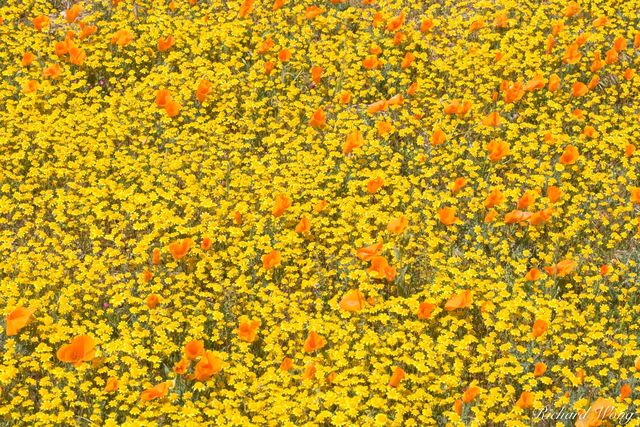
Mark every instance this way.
x=147 y=276
x=266 y=45
x=407 y=60
x=375 y=184
x=377 y=107
x=598 y=412
x=395 y=100
x=458 y=406
x=284 y=55
x=426 y=25
x=354 y=140
x=203 y=90
x=398 y=225
x=438 y=137
x=425 y=309
x=27 y=59
x=491 y=216
x=554 y=83
x=526 y=400
x=52 y=72
x=380 y=269
x=320 y=206
x=73 y=12
x=498 y=150
x=193 y=349
x=536 y=83
x=532 y=275
x=516 y=216
x=368 y=252
x=268 y=67
x=80 y=349
x=313 y=11
x=625 y=391
x=353 y=301
x=207 y=366
x=572 y=9
x=245 y=8
x=86 y=30
x=494 y=198
x=562 y=268
x=345 y=97
x=18 y=319
x=271 y=260
x=463 y=299
x=112 y=385
x=286 y=365
x=540 y=217
x=30 y=87
x=172 y=108
x=570 y=155
x=540 y=326
x=152 y=301
x=447 y=216
x=181 y=367
x=492 y=119
x=458 y=184
x=635 y=195
x=579 y=89
x=527 y=199
x=539 y=369
x=396 y=22
x=156 y=392
x=318 y=119
x=162 y=97
x=313 y=342
x=40 y=22
x=122 y=38
x=206 y=243
x=304 y=225
x=396 y=377
x=281 y=203
x=155 y=256
x=248 y=329
x=77 y=56
x=471 y=393
x=316 y=74
x=179 y=249
x=309 y=371
x=553 y=193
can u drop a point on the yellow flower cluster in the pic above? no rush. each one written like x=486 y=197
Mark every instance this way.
x=319 y=212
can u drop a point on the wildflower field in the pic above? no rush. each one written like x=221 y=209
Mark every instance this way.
x=319 y=212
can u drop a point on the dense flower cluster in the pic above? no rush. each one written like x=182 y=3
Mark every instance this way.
x=318 y=212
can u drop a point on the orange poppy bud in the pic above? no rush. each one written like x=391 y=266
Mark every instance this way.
x=540 y=326
x=152 y=301
x=396 y=377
